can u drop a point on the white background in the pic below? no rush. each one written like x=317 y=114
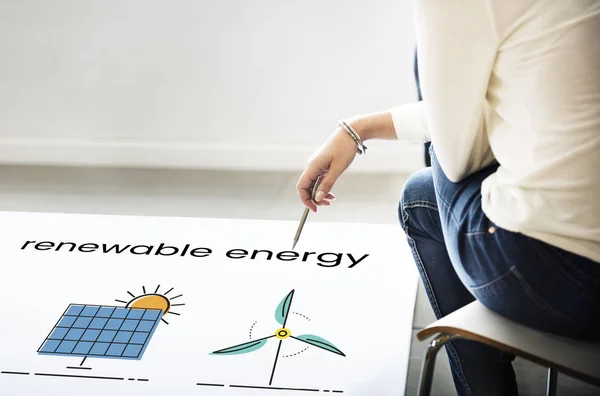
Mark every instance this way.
x=366 y=311
x=226 y=84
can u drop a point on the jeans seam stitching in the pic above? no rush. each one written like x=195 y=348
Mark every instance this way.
x=420 y=204
x=462 y=373
x=527 y=288
x=499 y=278
x=436 y=308
x=404 y=221
x=427 y=281
x=469 y=234
x=450 y=212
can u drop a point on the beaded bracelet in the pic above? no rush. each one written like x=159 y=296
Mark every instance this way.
x=361 y=148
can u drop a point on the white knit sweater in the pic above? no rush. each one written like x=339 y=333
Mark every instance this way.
x=517 y=82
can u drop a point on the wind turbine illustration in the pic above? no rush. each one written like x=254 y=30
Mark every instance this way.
x=283 y=333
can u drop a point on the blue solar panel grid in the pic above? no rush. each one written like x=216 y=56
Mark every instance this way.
x=102 y=331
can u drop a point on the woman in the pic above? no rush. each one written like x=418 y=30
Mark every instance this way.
x=509 y=212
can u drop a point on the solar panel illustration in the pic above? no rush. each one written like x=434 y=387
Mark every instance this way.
x=102 y=331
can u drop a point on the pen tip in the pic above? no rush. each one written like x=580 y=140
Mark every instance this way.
x=294 y=245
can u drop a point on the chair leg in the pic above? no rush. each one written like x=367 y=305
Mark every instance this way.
x=551 y=382
x=428 y=366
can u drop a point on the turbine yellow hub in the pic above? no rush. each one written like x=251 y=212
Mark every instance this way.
x=283 y=333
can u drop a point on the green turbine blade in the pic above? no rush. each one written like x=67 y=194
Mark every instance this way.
x=246 y=347
x=319 y=343
x=281 y=314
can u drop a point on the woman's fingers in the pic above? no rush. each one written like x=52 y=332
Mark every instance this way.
x=324 y=188
x=305 y=183
x=304 y=187
x=330 y=161
x=326 y=201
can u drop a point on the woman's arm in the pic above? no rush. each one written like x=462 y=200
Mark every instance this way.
x=404 y=122
x=457 y=44
x=338 y=152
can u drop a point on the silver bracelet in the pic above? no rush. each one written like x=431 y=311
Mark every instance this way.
x=361 y=148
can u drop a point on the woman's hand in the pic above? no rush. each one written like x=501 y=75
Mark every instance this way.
x=330 y=161
x=336 y=155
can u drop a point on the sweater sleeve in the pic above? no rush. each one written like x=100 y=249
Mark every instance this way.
x=410 y=123
x=457 y=46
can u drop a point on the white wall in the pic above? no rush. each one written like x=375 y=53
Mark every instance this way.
x=227 y=84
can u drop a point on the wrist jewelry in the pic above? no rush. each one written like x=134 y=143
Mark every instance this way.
x=361 y=148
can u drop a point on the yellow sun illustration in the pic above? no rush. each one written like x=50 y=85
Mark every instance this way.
x=154 y=300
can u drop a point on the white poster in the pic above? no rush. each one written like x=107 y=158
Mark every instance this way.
x=115 y=305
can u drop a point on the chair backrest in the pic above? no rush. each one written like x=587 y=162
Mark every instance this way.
x=476 y=322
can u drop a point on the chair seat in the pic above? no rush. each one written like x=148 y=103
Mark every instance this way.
x=476 y=322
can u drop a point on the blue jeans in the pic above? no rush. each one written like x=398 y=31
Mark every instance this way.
x=461 y=256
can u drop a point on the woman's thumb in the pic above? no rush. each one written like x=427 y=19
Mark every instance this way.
x=327 y=183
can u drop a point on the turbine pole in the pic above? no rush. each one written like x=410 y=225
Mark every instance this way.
x=275 y=363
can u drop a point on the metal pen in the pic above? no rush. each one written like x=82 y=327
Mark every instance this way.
x=313 y=191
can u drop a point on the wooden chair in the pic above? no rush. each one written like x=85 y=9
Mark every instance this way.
x=475 y=322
